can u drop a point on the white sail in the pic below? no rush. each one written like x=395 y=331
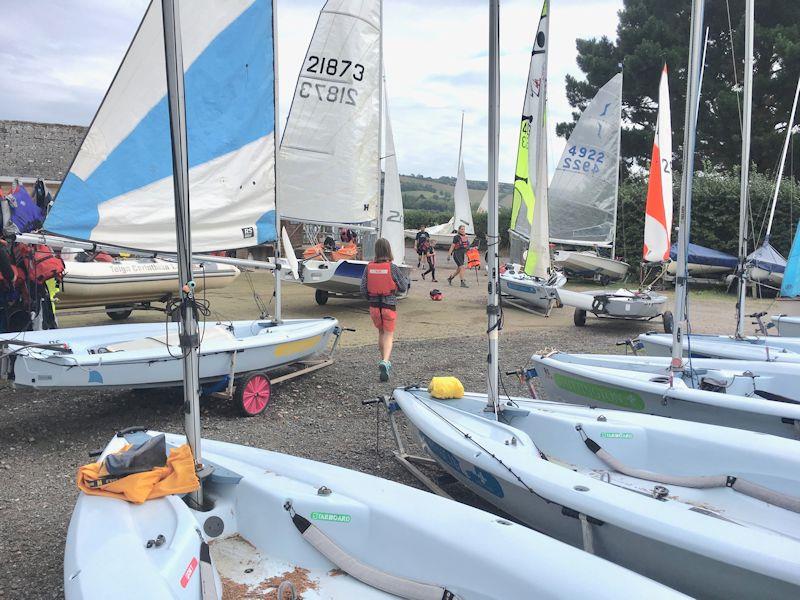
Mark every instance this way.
x=119 y=188
x=484 y=204
x=392 y=221
x=583 y=193
x=330 y=152
x=463 y=210
x=537 y=259
x=658 y=210
x=530 y=182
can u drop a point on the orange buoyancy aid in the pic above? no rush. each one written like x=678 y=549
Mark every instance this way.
x=313 y=251
x=379 y=279
x=347 y=252
x=473 y=258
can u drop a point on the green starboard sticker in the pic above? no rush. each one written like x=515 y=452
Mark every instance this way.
x=618 y=435
x=601 y=393
x=335 y=517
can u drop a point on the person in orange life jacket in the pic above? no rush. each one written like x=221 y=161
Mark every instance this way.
x=380 y=284
x=458 y=250
x=430 y=258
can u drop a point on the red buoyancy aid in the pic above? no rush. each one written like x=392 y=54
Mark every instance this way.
x=40 y=262
x=379 y=279
x=463 y=242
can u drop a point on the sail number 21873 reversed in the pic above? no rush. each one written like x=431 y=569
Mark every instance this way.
x=324 y=69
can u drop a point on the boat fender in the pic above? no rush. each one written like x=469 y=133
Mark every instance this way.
x=391 y=584
x=748 y=488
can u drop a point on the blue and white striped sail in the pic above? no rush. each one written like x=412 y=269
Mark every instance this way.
x=119 y=189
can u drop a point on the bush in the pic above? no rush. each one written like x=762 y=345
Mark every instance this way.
x=715 y=213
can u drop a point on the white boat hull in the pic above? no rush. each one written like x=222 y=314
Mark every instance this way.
x=721 y=393
x=764 y=276
x=132 y=281
x=540 y=294
x=589 y=264
x=699 y=270
x=375 y=523
x=787 y=326
x=712 y=543
x=138 y=356
x=340 y=278
x=619 y=304
x=773 y=348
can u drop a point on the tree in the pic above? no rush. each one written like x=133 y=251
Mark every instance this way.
x=651 y=32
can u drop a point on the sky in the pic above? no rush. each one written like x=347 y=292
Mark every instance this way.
x=60 y=57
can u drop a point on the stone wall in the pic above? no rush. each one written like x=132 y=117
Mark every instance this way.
x=38 y=150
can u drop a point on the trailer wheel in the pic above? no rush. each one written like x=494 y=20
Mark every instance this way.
x=321 y=296
x=579 y=318
x=116 y=312
x=668 y=320
x=253 y=393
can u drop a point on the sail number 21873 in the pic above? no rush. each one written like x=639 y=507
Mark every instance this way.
x=581 y=158
x=326 y=68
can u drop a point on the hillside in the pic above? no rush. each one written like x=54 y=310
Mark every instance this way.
x=436 y=194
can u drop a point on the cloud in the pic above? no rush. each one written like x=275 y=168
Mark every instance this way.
x=60 y=57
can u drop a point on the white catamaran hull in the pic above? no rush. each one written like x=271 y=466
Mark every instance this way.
x=589 y=264
x=133 y=280
x=367 y=528
x=148 y=354
x=540 y=294
x=772 y=348
x=536 y=466
x=787 y=326
x=720 y=392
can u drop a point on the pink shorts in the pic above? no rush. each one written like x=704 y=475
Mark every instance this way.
x=383 y=318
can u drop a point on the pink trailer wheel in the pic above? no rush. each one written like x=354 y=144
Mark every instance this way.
x=253 y=393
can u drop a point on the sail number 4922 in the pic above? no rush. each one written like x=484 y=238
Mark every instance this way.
x=330 y=91
x=583 y=159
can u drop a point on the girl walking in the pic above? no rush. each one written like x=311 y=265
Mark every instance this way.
x=430 y=258
x=380 y=284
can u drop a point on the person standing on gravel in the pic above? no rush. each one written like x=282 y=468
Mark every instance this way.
x=380 y=284
x=420 y=241
x=458 y=250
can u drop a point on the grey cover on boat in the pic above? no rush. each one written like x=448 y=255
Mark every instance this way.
x=138 y=459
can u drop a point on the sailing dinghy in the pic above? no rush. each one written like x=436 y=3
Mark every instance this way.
x=262 y=523
x=333 y=131
x=711 y=511
x=642 y=304
x=583 y=192
x=125 y=283
x=529 y=279
x=119 y=192
x=443 y=233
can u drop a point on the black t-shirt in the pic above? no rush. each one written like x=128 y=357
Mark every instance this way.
x=422 y=238
x=461 y=245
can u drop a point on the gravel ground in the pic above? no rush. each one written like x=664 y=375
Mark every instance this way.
x=44 y=437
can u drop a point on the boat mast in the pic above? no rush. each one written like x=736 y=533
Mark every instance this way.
x=381 y=91
x=492 y=237
x=277 y=137
x=460 y=143
x=783 y=163
x=188 y=333
x=616 y=183
x=689 y=139
x=745 y=169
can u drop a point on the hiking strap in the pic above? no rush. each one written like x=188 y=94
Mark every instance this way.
x=748 y=488
x=391 y=584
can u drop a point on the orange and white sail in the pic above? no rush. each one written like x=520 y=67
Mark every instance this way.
x=658 y=212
